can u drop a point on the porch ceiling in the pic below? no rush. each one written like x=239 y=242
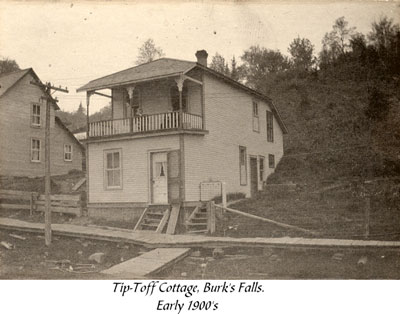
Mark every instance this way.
x=159 y=69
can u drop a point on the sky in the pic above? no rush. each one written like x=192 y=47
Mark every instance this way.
x=71 y=43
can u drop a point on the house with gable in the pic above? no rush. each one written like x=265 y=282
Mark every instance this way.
x=22 y=129
x=176 y=126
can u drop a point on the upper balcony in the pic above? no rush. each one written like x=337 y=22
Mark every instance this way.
x=147 y=123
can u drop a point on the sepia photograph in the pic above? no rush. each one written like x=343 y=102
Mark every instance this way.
x=199 y=140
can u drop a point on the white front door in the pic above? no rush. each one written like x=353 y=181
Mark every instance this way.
x=160 y=178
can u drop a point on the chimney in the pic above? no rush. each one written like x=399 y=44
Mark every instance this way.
x=201 y=56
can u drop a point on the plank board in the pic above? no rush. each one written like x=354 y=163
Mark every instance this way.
x=15 y=206
x=173 y=219
x=148 y=263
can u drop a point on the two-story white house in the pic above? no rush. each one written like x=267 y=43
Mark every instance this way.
x=176 y=124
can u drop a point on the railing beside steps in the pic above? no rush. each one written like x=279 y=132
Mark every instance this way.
x=146 y=123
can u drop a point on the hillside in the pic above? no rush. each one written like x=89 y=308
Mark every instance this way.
x=329 y=132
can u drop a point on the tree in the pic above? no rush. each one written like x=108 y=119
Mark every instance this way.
x=301 y=51
x=337 y=42
x=8 y=65
x=259 y=63
x=218 y=64
x=149 y=52
x=378 y=105
x=383 y=33
x=235 y=74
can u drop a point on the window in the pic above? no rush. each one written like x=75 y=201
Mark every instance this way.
x=243 y=165
x=113 y=169
x=270 y=127
x=68 y=152
x=174 y=93
x=271 y=161
x=255 y=117
x=35 y=115
x=35 y=150
x=261 y=169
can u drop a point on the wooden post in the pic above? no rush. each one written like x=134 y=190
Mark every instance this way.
x=212 y=217
x=47 y=185
x=88 y=94
x=367 y=215
x=223 y=193
x=31 y=205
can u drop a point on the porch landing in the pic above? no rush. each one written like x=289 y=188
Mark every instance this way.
x=157 y=240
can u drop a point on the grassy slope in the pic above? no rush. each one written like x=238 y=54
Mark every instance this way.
x=326 y=119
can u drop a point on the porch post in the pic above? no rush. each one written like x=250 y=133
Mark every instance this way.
x=88 y=94
x=179 y=82
x=130 y=90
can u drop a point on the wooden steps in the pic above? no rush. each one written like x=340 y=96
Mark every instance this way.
x=154 y=218
x=198 y=220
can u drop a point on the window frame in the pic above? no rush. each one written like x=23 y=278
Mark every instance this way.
x=65 y=152
x=106 y=170
x=36 y=115
x=271 y=161
x=243 y=179
x=261 y=172
x=36 y=150
x=270 y=126
x=256 y=116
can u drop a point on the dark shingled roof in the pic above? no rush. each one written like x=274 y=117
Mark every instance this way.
x=160 y=68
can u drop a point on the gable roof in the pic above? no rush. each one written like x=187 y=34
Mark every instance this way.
x=167 y=67
x=9 y=80
x=62 y=125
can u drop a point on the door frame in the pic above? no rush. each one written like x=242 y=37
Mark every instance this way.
x=151 y=183
x=254 y=157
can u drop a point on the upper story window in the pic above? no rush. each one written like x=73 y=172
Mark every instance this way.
x=174 y=94
x=35 y=150
x=68 y=152
x=36 y=118
x=113 y=169
x=256 y=124
x=243 y=165
x=270 y=126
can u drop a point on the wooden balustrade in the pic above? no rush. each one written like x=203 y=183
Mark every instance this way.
x=146 y=123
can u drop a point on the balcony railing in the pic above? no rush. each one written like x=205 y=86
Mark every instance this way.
x=146 y=123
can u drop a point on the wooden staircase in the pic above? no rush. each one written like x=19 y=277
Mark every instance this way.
x=198 y=220
x=154 y=218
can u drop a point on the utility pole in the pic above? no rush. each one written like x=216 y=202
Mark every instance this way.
x=47 y=174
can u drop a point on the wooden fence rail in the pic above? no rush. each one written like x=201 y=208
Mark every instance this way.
x=68 y=204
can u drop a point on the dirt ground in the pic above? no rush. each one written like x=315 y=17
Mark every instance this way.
x=67 y=258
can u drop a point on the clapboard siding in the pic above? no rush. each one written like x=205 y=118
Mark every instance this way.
x=135 y=168
x=229 y=122
x=16 y=133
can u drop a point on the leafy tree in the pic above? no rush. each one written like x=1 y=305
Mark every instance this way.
x=219 y=64
x=149 y=52
x=337 y=42
x=301 y=51
x=383 y=33
x=260 y=62
x=8 y=65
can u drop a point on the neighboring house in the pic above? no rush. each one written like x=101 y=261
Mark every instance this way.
x=176 y=124
x=22 y=129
